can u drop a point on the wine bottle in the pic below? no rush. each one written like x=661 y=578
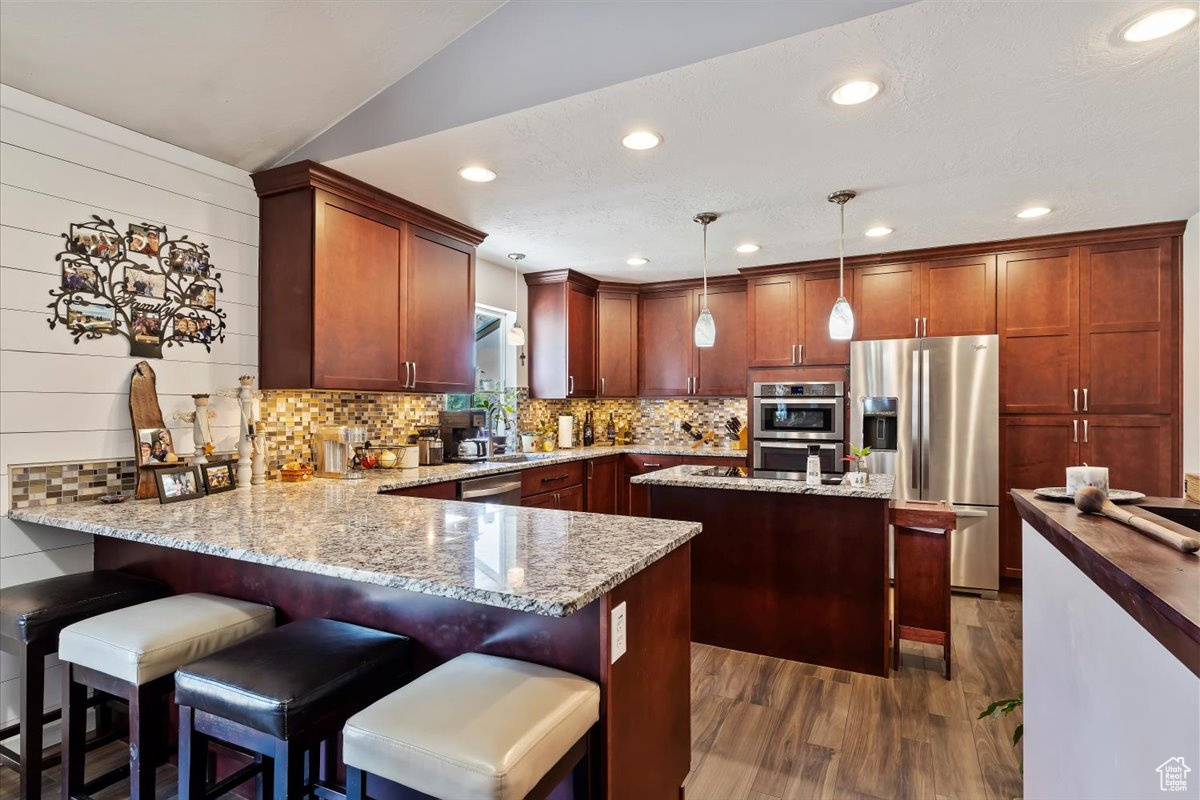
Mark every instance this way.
x=589 y=431
x=611 y=432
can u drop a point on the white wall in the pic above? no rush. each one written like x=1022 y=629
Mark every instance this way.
x=1191 y=346
x=494 y=287
x=65 y=402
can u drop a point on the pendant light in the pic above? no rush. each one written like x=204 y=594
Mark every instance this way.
x=516 y=334
x=705 y=333
x=841 y=318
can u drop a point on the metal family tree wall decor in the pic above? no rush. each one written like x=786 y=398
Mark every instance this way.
x=142 y=285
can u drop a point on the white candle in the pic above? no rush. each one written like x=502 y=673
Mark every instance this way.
x=1079 y=477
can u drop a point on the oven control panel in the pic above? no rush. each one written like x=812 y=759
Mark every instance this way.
x=823 y=389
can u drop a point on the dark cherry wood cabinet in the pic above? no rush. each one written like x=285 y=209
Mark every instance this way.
x=360 y=289
x=1136 y=450
x=789 y=319
x=1128 y=329
x=562 y=334
x=669 y=363
x=958 y=296
x=601 y=482
x=720 y=370
x=571 y=498
x=636 y=502
x=888 y=301
x=616 y=341
x=1034 y=452
x=544 y=500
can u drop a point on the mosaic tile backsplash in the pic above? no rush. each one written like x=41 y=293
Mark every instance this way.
x=651 y=421
x=48 y=485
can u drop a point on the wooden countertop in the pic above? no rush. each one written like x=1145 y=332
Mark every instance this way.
x=1156 y=585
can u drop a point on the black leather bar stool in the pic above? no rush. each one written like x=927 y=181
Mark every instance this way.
x=32 y=615
x=133 y=654
x=281 y=695
x=478 y=727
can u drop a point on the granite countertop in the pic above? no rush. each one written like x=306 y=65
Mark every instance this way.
x=879 y=488
x=533 y=560
x=393 y=479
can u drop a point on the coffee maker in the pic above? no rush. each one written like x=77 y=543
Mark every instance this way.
x=465 y=435
x=333 y=450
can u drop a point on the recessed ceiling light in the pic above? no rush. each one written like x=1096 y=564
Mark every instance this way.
x=748 y=247
x=477 y=174
x=1033 y=211
x=879 y=230
x=641 y=140
x=637 y=261
x=855 y=92
x=1158 y=24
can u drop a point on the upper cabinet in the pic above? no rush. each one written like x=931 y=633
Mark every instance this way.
x=670 y=364
x=562 y=334
x=789 y=319
x=946 y=297
x=616 y=340
x=359 y=289
x=887 y=301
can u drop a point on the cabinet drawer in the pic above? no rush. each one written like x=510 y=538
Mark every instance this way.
x=713 y=461
x=638 y=464
x=547 y=479
x=446 y=490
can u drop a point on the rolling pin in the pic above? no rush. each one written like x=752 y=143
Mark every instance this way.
x=1091 y=500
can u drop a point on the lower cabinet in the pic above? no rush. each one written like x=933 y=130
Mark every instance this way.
x=601 y=482
x=446 y=490
x=569 y=498
x=635 y=499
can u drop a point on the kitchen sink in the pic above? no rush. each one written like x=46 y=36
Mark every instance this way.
x=1187 y=517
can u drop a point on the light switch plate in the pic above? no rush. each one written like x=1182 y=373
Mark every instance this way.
x=618 y=632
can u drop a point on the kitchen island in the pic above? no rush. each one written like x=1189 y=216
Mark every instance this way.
x=782 y=568
x=456 y=577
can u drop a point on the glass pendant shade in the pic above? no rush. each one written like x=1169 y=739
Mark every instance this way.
x=516 y=335
x=841 y=320
x=705 y=333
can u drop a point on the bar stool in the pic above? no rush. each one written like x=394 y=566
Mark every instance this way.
x=32 y=614
x=477 y=728
x=280 y=695
x=922 y=604
x=133 y=654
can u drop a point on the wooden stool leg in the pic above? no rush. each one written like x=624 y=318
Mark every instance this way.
x=193 y=757
x=266 y=778
x=74 y=728
x=144 y=737
x=581 y=776
x=33 y=685
x=356 y=784
x=946 y=652
x=289 y=771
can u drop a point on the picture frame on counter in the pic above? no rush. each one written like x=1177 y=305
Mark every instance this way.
x=219 y=476
x=178 y=483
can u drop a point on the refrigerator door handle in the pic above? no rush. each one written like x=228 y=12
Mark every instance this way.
x=924 y=420
x=963 y=511
x=915 y=400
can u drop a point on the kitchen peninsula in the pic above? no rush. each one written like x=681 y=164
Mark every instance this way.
x=783 y=568
x=527 y=583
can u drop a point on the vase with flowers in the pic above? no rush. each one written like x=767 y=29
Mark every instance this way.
x=862 y=470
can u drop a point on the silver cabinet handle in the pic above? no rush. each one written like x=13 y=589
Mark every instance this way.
x=1075 y=392
x=924 y=326
x=800 y=350
x=404 y=384
x=916 y=327
x=601 y=385
x=414 y=375
x=793 y=354
x=1075 y=431
x=570 y=384
x=1085 y=404
x=1085 y=431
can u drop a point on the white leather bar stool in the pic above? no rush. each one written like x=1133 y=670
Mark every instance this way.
x=477 y=728
x=132 y=654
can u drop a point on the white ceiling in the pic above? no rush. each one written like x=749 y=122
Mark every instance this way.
x=987 y=108
x=243 y=82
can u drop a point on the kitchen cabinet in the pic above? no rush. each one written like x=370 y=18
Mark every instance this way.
x=789 y=319
x=446 y=490
x=636 y=500
x=552 y=477
x=601 y=484
x=1034 y=452
x=670 y=365
x=958 y=296
x=1136 y=450
x=569 y=498
x=562 y=334
x=616 y=341
x=544 y=500
x=360 y=289
x=888 y=301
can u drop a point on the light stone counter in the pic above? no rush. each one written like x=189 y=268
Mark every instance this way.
x=534 y=560
x=879 y=488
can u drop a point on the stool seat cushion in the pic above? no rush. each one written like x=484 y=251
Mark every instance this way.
x=297 y=677
x=37 y=611
x=144 y=642
x=476 y=727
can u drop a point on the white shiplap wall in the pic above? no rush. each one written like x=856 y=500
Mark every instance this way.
x=62 y=402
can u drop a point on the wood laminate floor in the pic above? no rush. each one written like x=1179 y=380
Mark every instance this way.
x=768 y=729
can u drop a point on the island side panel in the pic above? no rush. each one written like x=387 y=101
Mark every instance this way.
x=646 y=711
x=795 y=576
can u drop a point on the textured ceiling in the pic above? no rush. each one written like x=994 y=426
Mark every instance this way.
x=242 y=82
x=988 y=108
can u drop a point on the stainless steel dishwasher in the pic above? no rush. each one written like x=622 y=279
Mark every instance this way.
x=503 y=490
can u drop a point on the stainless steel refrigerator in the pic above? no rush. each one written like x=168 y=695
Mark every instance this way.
x=929 y=409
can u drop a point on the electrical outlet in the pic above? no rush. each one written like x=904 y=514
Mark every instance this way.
x=678 y=425
x=618 y=632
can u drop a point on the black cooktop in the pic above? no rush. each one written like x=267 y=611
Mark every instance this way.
x=745 y=472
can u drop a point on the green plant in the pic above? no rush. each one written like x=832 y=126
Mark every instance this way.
x=857 y=453
x=1007 y=706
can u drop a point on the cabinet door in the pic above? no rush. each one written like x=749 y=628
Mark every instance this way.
x=1034 y=452
x=720 y=370
x=616 y=344
x=544 y=500
x=570 y=499
x=1127 y=327
x=439 y=312
x=773 y=320
x=601 y=485
x=581 y=342
x=887 y=302
x=1037 y=309
x=665 y=343
x=958 y=296
x=1136 y=450
x=819 y=293
x=638 y=502
x=357 y=330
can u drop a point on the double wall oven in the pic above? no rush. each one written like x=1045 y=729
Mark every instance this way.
x=790 y=418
